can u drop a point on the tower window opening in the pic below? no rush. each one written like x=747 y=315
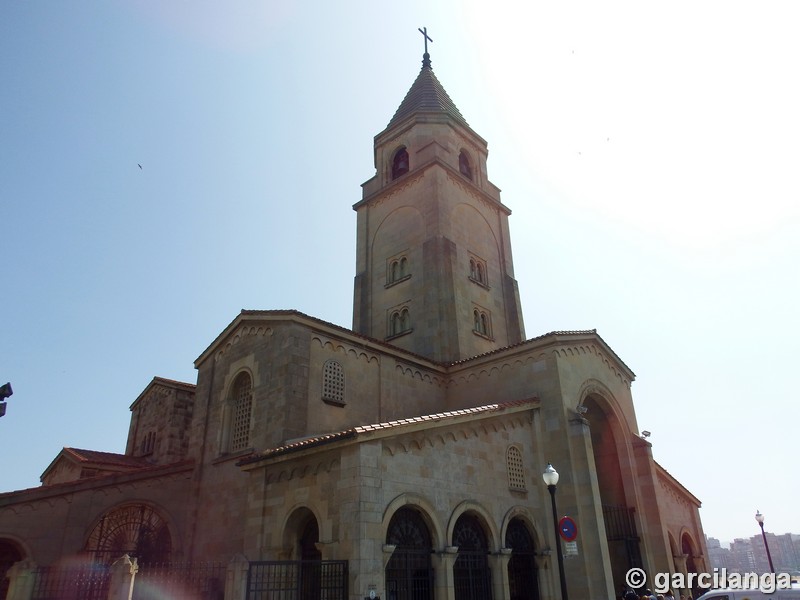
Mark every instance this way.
x=399 y=322
x=400 y=163
x=477 y=271
x=481 y=323
x=397 y=270
x=464 y=165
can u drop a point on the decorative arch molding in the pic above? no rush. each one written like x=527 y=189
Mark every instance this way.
x=348 y=350
x=242 y=332
x=594 y=350
x=298 y=472
x=471 y=189
x=432 y=439
x=477 y=214
x=526 y=516
x=674 y=495
x=420 y=375
x=425 y=508
x=476 y=373
x=597 y=390
x=483 y=515
x=395 y=187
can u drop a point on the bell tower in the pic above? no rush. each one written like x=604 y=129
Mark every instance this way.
x=434 y=272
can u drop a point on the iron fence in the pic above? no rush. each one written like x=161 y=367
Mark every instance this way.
x=297 y=580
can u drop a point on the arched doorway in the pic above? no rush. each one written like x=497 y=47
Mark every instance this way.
x=409 y=574
x=471 y=575
x=621 y=533
x=523 y=581
x=9 y=554
x=137 y=530
x=688 y=550
x=310 y=557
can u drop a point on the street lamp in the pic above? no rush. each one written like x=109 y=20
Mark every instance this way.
x=550 y=477
x=760 y=519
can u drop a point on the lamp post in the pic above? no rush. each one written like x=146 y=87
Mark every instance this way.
x=550 y=477
x=760 y=519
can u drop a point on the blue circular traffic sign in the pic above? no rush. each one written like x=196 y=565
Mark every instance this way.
x=567 y=529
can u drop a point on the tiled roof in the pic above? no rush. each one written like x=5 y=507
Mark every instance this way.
x=354 y=432
x=111 y=459
x=174 y=383
x=426 y=96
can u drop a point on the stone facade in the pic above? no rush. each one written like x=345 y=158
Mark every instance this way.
x=417 y=436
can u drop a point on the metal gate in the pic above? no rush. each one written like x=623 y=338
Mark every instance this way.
x=409 y=575
x=297 y=580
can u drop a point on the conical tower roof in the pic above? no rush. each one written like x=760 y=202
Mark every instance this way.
x=426 y=96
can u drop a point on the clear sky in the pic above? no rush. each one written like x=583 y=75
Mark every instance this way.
x=649 y=153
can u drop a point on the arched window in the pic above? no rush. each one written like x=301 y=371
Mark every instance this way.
x=241 y=404
x=405 y=320
x=464 y=165
x=400 y=163
x=137 y=530
x=399 y=322
x=516 y=473
x=481 y=323
x=395 y=324
x=397 y=270
x=333 y=383
x=523 y=581
x=477 y=271
x=471 y=577
x=409 y=574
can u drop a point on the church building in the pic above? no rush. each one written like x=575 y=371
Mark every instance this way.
x=399 y=459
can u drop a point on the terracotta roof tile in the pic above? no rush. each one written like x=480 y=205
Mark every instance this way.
x=107 y=458
x=353 y=432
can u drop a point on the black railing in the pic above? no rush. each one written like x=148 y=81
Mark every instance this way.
x=297 y=580
x=85 y=582
x=620 y=523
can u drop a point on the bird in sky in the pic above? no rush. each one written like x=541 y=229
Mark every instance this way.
x=140 y=166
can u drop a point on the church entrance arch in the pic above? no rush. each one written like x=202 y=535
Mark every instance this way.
x=523 y=580
x=471 y=575
x=409 y=574
x=618 y=513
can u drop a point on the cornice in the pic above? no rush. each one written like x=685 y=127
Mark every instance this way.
x=405 y=181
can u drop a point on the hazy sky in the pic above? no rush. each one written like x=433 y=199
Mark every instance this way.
x=649 y=153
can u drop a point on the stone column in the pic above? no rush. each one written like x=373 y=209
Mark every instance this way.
x=21 y=577
x=443 y=566
x=680 y=567
x=236 y=578
x=123 y=573
x=499 y=566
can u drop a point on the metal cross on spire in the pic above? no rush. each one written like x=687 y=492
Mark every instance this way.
x=424 y=32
